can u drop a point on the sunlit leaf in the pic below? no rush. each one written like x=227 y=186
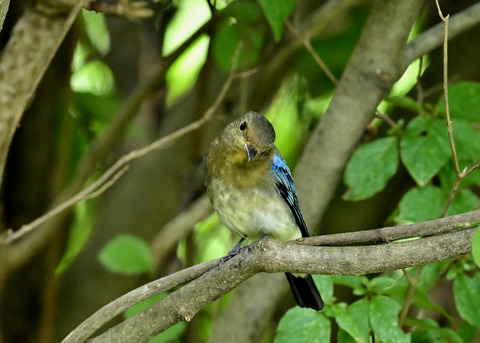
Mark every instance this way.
x=183 y=73
x=94 y=77
x=189 y=16
x=127 y=254
x=97 y=31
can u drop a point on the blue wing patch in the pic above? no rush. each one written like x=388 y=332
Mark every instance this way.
x=286 y=188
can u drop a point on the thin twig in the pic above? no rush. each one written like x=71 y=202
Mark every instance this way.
x=311 y=51
x=387 y=119
x=413 y=281
x=445 y=89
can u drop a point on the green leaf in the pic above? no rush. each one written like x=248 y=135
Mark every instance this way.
x=467 y=332
x=276 y=12
x=428 y=330
x=97 y=31
x=354 y=320
x=77 y=236
x=463 y=101
x=421 y=300
x=127 y=254
x=325 y=287
x=355 y=282
x=93 y=77
x=183 y=73
x=476 y=247
x=370 y=168
x=384 y=320
x=381 y=283
x=424 y=148
x=226 y=42
x=465 y=200
x=430 y=274
x=300 y=325
x=467 y=141
x=466 y=291
x=420 y=204
x=344 y=337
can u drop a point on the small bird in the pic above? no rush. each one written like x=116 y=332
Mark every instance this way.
x=251 y=189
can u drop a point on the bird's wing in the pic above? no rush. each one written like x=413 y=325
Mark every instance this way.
x=286 y=188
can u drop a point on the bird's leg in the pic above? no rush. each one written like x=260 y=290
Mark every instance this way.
x=251 y=246
x=235 y=250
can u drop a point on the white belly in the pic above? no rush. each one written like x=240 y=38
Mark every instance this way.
x=253 y=213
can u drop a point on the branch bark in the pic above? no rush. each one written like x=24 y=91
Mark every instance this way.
x=274 y=257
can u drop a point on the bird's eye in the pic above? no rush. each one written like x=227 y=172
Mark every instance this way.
x=243 y=126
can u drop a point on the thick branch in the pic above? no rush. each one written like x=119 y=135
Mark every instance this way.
x=277 y=257
x=393 y=233
x=272 y=256
x=369 y=75
x=34 y=41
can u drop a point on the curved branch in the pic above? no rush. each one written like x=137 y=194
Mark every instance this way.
x=273 y=257
x=116 y=307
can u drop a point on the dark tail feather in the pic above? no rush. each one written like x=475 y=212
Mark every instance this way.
x=304 y=291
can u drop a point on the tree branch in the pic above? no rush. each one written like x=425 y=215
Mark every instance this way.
x=394 y=233
x=273 y=257
x=34 y=41
x=369 y=75
x=433 y=37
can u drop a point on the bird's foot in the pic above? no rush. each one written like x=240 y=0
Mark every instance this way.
x=251 y=247
x=235 y=250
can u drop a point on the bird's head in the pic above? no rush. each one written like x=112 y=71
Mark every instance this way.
x=249 y=136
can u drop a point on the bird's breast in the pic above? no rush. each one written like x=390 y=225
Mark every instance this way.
x=253 y=212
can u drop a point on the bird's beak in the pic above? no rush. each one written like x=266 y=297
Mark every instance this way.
x=251 y=152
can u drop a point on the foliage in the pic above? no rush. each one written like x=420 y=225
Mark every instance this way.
x=421 y=145
x=406 y=144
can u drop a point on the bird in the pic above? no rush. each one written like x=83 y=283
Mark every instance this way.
x=251 y=188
